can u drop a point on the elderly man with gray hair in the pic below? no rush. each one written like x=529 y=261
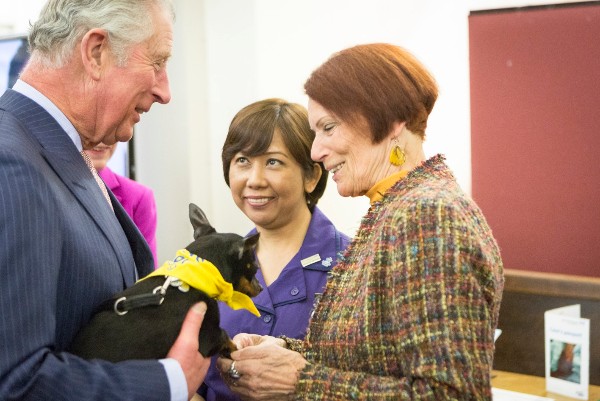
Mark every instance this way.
x=66 y=244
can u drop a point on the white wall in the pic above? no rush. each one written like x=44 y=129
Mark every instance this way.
x=276 y=45
x=229 y=53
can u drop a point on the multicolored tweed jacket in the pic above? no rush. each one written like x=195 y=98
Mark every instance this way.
x=410 y=311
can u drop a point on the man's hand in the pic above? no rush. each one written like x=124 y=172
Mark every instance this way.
x=185 y=349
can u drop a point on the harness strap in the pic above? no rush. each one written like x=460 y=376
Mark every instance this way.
x=123 y=305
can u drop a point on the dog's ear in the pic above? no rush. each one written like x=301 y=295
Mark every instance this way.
x=200 y=223
x=249 y=244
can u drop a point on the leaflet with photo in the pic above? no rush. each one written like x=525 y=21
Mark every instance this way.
x=567 y=338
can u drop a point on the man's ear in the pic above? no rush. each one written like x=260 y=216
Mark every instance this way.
x=94 y=52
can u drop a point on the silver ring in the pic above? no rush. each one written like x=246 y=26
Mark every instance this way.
x=233 y=372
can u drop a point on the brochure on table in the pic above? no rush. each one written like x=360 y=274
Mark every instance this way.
x=567 y=338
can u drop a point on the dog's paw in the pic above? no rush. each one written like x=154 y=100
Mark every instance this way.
x=228 y=348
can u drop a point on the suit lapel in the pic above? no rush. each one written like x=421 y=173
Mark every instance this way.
x=142 y=254
x=66 y=161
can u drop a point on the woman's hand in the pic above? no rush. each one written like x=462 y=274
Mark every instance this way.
x=244 y=340
x=268 y=371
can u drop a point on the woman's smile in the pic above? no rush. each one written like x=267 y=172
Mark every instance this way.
x=258 y=201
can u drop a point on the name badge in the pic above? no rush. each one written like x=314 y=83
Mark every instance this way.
x=310 y=260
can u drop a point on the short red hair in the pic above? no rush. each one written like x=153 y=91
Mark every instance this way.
x=379 y=84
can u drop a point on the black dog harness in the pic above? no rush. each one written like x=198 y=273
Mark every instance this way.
x=123 y=305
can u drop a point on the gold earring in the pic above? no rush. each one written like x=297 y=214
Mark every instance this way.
x=397 y=156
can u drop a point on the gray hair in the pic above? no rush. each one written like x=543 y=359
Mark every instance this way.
x=62 y=23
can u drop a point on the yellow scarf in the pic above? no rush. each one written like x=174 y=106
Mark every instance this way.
x=204 y=276
x=376 y=192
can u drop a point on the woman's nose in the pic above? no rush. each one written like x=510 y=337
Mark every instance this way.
x=317 y=151
x=256 y=176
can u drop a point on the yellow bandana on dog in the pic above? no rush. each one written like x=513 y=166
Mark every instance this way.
x=204 y=276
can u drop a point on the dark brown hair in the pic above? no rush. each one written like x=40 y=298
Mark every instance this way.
x=377 y=84
x=251 y=132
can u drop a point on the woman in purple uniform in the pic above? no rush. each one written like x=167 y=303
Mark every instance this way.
x=267 y=165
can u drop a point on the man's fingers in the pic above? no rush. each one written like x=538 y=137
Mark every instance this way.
x=193 y=320
x=185 y=349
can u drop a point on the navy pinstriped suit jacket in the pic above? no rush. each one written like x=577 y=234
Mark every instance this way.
x=62 y=252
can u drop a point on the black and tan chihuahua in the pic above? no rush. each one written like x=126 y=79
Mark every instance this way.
x=144 y=321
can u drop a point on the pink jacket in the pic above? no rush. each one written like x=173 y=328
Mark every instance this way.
x=138 y=201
